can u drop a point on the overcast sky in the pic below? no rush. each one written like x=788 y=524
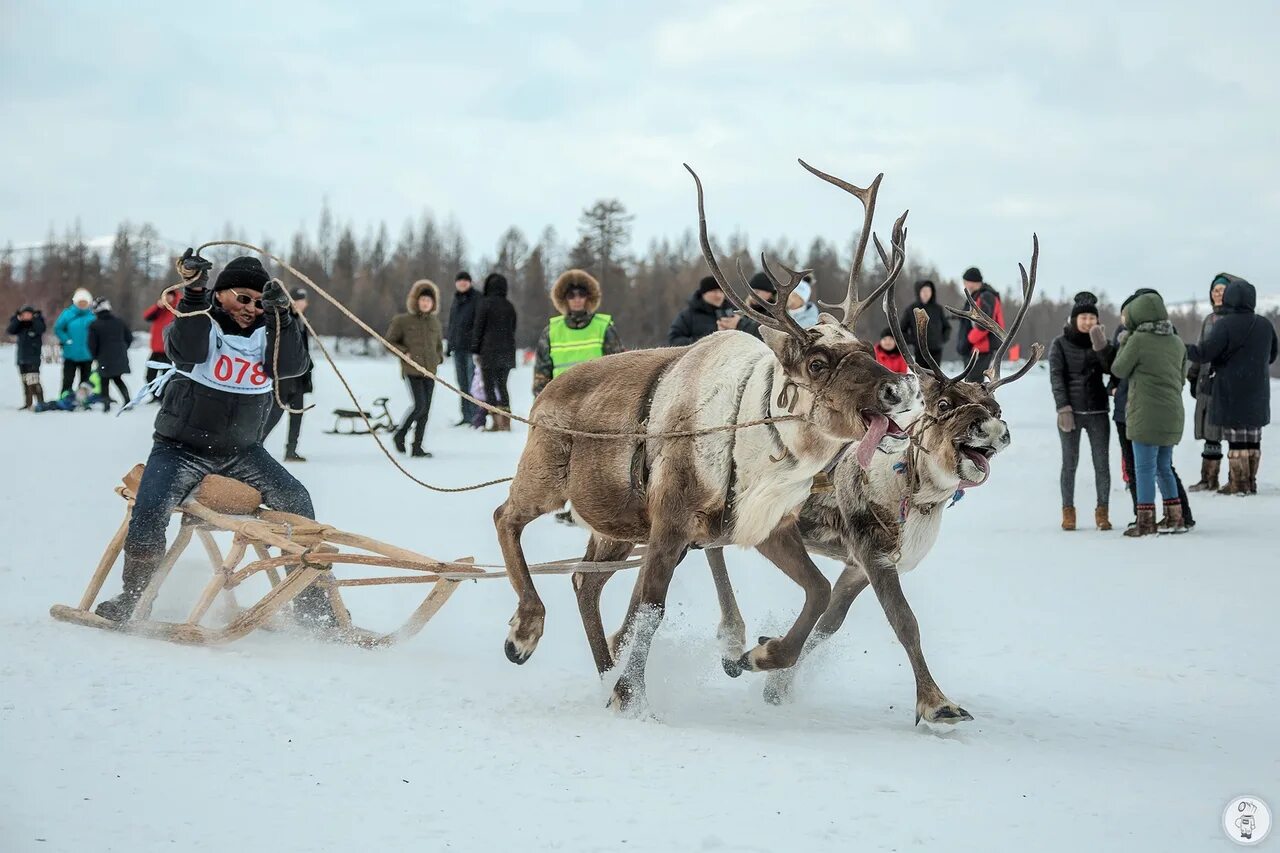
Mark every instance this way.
x=1142 y=141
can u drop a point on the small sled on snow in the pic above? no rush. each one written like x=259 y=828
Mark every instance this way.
x=306 y=552
x=352 y=421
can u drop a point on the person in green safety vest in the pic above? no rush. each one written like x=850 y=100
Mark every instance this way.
x=580 y=333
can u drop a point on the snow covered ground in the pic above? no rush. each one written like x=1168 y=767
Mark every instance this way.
x=1123 y=690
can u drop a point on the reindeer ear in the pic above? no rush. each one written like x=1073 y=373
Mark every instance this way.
x=776 y=341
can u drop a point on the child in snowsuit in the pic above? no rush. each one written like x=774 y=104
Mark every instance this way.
x=887 y=352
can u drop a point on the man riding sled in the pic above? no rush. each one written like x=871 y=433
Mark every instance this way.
x=214 y=406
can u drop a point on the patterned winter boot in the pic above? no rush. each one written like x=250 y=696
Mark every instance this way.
x=1102 y=518
x=1146 y=523
x=1237 y=473
x=1255 y=458
x=1068 y=518
x=1172 y=521
x=1209 y=470
x=26 y=398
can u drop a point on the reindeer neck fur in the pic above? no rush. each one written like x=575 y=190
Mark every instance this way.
x=752 y=477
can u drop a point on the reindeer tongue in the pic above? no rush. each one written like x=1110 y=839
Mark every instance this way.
x=877 y=427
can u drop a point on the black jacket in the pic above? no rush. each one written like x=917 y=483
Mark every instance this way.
x=1240 y=347
x=462 y=321
x=988 y=301
x=210 y=421
x=1076 y=373
x=494 y=335
x=696 y=320
x=939 y=322
x=30 y=335
x=109 y=342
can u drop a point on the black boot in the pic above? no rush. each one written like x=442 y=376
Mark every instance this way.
x=398 y=439
x=420 y=453
x=419 y=432
x=312 y=609
x=291 y=455
x=137 y=574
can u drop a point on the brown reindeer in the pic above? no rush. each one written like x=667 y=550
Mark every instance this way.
x=742 y=487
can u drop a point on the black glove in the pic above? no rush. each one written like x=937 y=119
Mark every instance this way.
x=193 y=268
x=1193 y=380
x=274 y=297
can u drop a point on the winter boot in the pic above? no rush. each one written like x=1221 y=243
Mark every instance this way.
x=1237 y=473
x=26 y=398
x=137 y=574
x=1172 y=521
x=506 y=419
x=1068 y=518
x=1102 y=518
x=1209 y=469
x=1146 y=523
x=1255 y=458
x=291 y=455
x=37 y=393
x=419 y=453
x=398 y=439
x=313 y=609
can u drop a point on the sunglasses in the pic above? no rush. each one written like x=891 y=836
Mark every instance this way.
x=246 y=300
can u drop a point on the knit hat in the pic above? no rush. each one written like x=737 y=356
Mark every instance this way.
x=761 y=281
x=804 y=291
x=298 y=293
x=243 y=272
x=101 y=305
x=708 y=283
x=25 y=309
x=462 y=275
x=1084 y=303
x=973 y=274
x=81 y=295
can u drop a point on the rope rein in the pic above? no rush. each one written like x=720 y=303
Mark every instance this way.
x=408 y=360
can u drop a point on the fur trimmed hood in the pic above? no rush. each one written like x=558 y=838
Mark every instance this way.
x=421 y=286
x=580 y=278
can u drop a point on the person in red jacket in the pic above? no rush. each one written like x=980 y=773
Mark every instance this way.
x=159 y=317
x=971 y=337
x=887 y=353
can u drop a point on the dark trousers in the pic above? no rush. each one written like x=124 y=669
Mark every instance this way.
x=420 y=390
x=1099 y=429
x=495 y=385
x=1131 y=479
x=465 y=370
x=920 y=359
x=118 y=381
x=173 y=470
x=153 y=372
x=69 y=369
x=294 y=398
x=979 y=367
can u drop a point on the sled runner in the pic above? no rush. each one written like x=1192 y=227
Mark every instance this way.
x=307 y=552
x=351 y=422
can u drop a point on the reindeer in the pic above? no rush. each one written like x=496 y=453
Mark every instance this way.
x=882 y=519
x=743 y=487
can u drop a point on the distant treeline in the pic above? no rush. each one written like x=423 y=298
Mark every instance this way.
x=372 y=273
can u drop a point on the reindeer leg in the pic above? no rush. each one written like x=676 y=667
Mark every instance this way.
x=732 y=631
x=527 y=623
x=779 y=683
x=931 y=704
x=644 y=615
x=785 y=549
x=588 y=586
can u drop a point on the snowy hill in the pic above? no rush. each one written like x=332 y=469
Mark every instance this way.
x=1123 y=690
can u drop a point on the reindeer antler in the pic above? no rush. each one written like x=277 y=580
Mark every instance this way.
x=853 y=307
x=775 y=314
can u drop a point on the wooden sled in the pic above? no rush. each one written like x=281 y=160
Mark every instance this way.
x=350 y=422
x=308 y=552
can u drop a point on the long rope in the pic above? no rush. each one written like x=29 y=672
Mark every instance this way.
x=407 y=359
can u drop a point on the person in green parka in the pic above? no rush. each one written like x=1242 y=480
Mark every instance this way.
x=1154 y=360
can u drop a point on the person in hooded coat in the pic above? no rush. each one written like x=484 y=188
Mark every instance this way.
x=939 y=322
x=109 y=342
x=493 y=340
x=27 y=326
x=1240 y=348
x=1078 y=361
x=974 y=338
x=1153 y=359
x=72 y=330
x=419 y=334
x=1200 y=381
x=578 y=333
x=159 y=317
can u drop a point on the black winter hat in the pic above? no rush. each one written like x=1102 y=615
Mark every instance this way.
x=973 y=274
x=1084 y=303
x=462 y=275
x=298 y=293
x=243 y=272
x=761 y=281
x=708 y=283
x=495 y=284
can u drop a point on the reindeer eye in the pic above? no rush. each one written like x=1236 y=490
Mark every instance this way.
x=944 y=405
x=817 y=366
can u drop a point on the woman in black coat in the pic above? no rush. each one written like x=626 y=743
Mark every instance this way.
x=939 y=322
x=1240 y=347
x=493 y=340
x=1078 y=362
x=109 y=342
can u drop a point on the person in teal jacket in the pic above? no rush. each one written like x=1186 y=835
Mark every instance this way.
x=72 y=331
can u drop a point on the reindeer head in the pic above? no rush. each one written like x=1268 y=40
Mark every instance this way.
x=962 y=427
x=831 y=377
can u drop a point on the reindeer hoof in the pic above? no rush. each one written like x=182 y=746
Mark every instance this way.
x=523 y=638
x=626 y=699
x=948 y=713
x=732 y=668
x=776 y=694
x=515 y=656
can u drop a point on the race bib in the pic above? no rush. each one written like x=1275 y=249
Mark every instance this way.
x=235 y=364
